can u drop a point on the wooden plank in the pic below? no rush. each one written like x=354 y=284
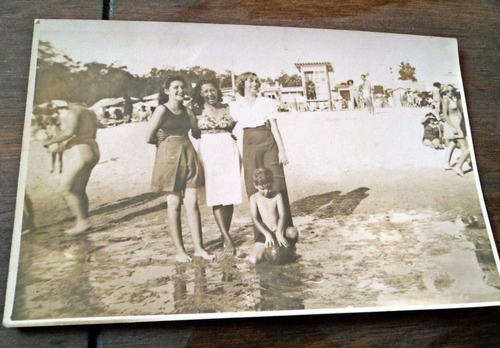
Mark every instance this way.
x=16 y=26
x=419 y=329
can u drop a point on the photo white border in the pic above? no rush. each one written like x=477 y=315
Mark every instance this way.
x=40 y=25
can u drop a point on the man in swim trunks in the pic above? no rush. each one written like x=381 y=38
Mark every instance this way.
x=79 y=129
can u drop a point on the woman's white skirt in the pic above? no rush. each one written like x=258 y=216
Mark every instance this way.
x=221 y=165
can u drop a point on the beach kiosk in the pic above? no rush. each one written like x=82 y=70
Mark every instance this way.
x=316 y=84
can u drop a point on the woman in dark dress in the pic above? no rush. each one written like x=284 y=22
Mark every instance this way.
x=177 y=171
x=262 y=143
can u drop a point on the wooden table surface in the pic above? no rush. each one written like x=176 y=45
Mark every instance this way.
x=475 y=23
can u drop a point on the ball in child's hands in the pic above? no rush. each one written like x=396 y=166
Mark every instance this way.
x=279 y=255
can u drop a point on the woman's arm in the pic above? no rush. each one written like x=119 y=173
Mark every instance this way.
x=280 y=232
x=283 y=158
x=195 y=131
x=154 y=125
x=256 y=219
x=446 y=110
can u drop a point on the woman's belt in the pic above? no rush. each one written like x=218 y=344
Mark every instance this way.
x=214 y=131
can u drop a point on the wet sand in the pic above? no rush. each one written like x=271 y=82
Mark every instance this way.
x=381 y=224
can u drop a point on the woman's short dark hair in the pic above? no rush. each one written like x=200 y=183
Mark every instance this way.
x=437 y=84
x=454 y=91
x=198 y=99
x=162 y=96
x=240 y=81
x=351 y=81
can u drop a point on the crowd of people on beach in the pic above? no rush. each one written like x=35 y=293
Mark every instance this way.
x=444 y=127
x=180 y=170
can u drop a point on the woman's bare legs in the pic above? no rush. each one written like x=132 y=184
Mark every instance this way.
x=223 y=215
x=174 y=226
x=463 y=157
x=194 y=222
x=449 y=153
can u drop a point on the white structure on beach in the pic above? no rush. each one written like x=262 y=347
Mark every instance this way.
x=316 y=84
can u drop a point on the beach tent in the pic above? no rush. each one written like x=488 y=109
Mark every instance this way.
x=59 y=104
x=107 y=102
x=155 y=96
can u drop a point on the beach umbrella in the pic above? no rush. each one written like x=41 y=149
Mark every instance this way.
x=106 y=102
x=155 y=96
x=59 y=103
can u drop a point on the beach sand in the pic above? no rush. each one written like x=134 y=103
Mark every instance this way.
x=381 y=224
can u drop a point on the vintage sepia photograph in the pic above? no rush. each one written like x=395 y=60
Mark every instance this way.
x=177 y=171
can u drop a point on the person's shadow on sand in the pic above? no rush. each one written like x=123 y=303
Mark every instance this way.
x=122 y=204
x=329 y=204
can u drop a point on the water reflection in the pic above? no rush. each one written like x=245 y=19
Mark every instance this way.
x=232 y=284
x=281 y=287
x=54 y=281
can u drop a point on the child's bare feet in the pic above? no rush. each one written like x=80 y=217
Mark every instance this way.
x=204 y=255
x=257 y=253
x=252 y=259
x=183 y=258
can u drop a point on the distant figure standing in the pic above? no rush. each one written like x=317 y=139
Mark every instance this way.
x=454 y=129
x=56 y=150
x=127 y=109
x=353 y=93
x=79 y=129
x=144 y=114
x=436 y=97
x=368 y=94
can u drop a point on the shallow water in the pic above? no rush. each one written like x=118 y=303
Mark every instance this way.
x=344 y=261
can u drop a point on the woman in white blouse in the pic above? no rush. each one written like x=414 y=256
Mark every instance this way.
x=262 y=143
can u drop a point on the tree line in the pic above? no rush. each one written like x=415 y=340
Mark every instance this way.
x=58 y=76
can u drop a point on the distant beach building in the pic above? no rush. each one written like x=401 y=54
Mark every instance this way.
x=316 y=84
x=293 y=99
x=228 y=95
x=342 y=90
x=272 y=91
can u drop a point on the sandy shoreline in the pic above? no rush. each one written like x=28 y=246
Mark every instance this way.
x=379 y=220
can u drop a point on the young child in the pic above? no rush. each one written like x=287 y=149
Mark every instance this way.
x=276 y=242
x=432 y=132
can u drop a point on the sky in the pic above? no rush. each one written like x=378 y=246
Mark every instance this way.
x=268 y=51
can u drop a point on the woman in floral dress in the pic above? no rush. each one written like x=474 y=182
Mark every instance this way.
x=219 y=155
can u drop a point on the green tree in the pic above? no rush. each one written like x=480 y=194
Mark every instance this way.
x=290 y=80
x=407 y=72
